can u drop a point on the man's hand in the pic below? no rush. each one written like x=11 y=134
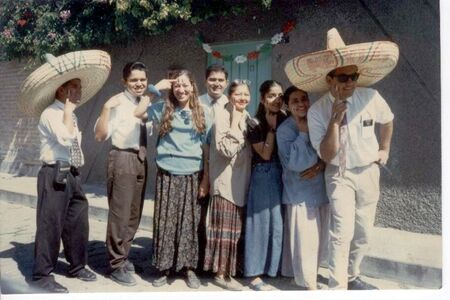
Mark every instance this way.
x=383 y=157
x=339 y=108
x=69 y=106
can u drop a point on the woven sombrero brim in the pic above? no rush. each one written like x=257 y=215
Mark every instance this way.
x=37 y=92
x=374 y=61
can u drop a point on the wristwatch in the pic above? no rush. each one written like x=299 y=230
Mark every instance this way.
x=153 y=90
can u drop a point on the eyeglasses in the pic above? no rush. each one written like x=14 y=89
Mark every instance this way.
x=242 y=81
x=343 y=78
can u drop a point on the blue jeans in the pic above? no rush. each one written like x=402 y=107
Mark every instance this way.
x=264 y=224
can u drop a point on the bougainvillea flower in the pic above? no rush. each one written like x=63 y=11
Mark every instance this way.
x=21 y=22
x=64 y=15
x=7 y=33
x=51 y=36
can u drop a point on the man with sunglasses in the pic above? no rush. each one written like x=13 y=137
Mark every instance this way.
x=341 y=125
x=342 y=130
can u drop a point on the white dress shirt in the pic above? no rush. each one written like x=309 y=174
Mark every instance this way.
x=364 y=108
x=208 y=102
x=56 y=140
x=123 y=126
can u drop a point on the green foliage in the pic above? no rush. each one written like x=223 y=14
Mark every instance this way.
x=31 y=28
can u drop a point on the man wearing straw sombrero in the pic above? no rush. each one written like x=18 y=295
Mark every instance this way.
x=53 y=92
x=341 y=125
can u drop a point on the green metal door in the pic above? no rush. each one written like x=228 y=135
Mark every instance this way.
x=256 y=71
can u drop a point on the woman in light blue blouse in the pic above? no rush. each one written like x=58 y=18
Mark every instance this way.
x=304 y=196
x=182 y=177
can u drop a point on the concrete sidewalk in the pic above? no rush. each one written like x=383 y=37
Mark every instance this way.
x=404 y=257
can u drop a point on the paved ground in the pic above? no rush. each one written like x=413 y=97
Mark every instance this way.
x=16 y=258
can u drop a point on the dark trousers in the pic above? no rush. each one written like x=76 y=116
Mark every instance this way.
x=62 y=213
x=126 y=178
x=204 y=203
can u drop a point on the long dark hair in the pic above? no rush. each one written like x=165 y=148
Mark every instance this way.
x=289 y=91
x=198 y=115
x=264 y=88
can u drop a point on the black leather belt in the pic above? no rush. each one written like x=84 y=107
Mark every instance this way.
x=126 y=150
x=73 y=170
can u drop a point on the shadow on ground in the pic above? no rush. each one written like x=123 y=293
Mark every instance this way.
x=22 y=254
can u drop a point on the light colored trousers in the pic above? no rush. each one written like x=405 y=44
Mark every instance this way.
x=305 y=243
x=353 y=202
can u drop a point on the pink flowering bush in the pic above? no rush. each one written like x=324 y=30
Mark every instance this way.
x=31 y=28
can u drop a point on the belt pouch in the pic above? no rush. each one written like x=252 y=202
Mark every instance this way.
x=60 y=172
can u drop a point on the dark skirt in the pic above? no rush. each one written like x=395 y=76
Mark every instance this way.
x=223 y=230
x=175 y=222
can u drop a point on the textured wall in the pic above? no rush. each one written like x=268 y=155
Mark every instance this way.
x=411 y=198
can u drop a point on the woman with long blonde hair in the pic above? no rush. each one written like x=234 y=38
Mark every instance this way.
x=182 y=177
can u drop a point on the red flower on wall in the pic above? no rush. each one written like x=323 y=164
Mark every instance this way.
x=216 y=54
x=288 y=26
x=253 y=55
x=21 y=22
x=28 y=14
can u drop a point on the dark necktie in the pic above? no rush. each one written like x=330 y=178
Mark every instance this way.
x=142 y=154
x=75 y=150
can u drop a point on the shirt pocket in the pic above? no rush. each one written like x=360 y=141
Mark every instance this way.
x=367 y=123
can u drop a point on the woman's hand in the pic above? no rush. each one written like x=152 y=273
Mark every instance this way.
x=165 y=84
x=203 y=188
x=271 y=119
x=313 y=171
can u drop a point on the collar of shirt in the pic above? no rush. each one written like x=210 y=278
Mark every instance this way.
x=221 y=99
x=130 y=96
x=59 y=104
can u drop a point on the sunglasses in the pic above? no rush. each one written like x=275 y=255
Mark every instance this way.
x=186 y=116
x=342 y=78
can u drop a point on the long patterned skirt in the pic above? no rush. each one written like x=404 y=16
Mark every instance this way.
x=223 y=231
x=175 y=222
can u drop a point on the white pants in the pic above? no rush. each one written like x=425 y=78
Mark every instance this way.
x=353 y=201
x=305 y=243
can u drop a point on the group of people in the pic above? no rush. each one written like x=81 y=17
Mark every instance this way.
x=289 y=190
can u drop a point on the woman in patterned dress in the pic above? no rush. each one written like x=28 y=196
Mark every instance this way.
x=230 y=159
x=181 y=177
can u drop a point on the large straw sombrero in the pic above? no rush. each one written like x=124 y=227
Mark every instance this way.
x=37 y=91
x=374 y=61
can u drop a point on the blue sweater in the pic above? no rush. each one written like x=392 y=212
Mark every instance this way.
x=296 y=155
x=179 y=151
